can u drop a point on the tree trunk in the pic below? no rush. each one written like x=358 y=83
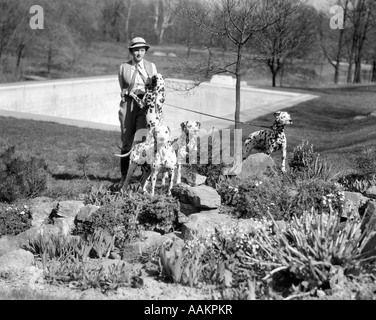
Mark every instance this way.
x=373 y=78
x=358 y=69
x=237 y=87
x=19 y=54
x=188 y=51
x=274 y=76
x=341 y=33
x=49 y=61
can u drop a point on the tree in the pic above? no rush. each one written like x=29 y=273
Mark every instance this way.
x=233 y=23
x=128 y=5
x=163 y=17
x=361 y=14
x=333 y=41
x=287 y=36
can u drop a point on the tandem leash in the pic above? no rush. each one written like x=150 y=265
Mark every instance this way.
x=212 y=116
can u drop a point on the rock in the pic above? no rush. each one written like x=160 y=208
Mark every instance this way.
x=255 y=166
x=152 y=241
x=40 y=209
x=356 y=198
x=64 y=215
x=182 y=218
x=201 y=223
x=16 y=260
x=203 y=197
x=370 y=221
x=85 y=213
x=280 y=226
x=23 y=238
x=371 y=192
x=195 y=179
x=8 y=244
x=172 y=55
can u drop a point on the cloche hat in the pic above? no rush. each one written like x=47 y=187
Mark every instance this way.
x=138 y=42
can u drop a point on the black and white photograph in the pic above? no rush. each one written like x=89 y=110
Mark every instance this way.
x=187 y=156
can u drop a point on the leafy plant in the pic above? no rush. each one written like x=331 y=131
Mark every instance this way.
x=89 y=275
x=312 y=249
x=158 y=213
x=302 y=156
x=21 y=178
x=111 y=223
x=14 y=219
x=366 y=161
x=357 y=182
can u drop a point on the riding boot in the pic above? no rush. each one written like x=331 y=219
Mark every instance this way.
x=124 y=165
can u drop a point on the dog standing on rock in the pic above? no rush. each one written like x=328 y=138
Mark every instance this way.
x=269 y=141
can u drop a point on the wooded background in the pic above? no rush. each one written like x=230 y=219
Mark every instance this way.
x=275 y=33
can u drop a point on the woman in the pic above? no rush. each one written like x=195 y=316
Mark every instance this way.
x=133 y=76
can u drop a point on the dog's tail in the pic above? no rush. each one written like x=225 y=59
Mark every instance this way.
x=123 y=155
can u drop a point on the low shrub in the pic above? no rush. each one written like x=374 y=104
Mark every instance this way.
x=112 y=222
x=247 y=198
x=14 y=219
x=366 y=162
x=356 y=182
x=21 y=178
x=88 y=275
x=307 y=164
x=312 y=250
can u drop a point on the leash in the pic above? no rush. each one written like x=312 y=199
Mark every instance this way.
x=210 y=115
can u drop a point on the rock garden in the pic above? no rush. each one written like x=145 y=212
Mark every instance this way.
x=308 y=233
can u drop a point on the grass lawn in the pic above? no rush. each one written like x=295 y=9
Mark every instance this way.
x=327 y=122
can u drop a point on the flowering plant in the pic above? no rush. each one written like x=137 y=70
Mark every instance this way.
x=14 y=219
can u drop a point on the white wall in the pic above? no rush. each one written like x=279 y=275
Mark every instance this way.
x=96 y=100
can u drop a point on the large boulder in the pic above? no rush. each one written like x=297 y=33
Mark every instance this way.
x=8 y=244
x=203 y=197
x=357 y=199
x=16 y=260
x=40 y=210
x=151 y=239
x=64 y=215
x=371 y=192
x=85 y=213
x=369 y=221
x=255 y=166
x=201 y=223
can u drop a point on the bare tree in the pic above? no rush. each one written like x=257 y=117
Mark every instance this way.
x=163 y=17
x=361 y=15
x=287 y=36
x=128 y=5
x=234 y=22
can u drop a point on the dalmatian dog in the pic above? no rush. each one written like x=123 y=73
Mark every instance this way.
x=269 y=141
x=185 y=143
x=153 y=101
x=156 y=155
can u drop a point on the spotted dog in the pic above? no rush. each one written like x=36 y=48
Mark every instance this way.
x=153 y=101
x=185 y=143
x=156 y=155
x=163 y=158
x=269 y=141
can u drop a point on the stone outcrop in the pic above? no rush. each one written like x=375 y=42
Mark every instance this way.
x=371 y=192
x=369 y=221
x=256 y=165
x=203 y=197
x=16 y=260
